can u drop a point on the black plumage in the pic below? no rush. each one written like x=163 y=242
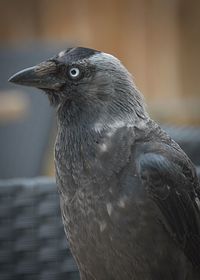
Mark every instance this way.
x=130 y=197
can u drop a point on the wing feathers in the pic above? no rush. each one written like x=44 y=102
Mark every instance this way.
x=174 y=194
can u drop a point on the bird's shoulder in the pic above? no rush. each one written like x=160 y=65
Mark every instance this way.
x=156 y=150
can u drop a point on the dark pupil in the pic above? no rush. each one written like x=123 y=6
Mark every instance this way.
x=73 y=72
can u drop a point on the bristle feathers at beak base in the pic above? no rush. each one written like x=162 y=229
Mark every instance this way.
x=41 y=76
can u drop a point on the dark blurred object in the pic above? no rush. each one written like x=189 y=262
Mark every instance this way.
x=189 y=140
x=32 y=240
x=24 y=140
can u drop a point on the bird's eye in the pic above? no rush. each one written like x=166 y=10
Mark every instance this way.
x=74 y=72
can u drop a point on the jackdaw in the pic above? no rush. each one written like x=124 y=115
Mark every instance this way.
x=130 y=197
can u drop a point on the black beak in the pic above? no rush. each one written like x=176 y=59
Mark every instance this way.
x=42 y=76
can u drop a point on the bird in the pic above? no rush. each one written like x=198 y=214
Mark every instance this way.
x=129 y=195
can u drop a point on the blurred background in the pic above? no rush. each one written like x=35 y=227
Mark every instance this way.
x=157 y=40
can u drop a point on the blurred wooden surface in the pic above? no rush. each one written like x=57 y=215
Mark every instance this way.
x=159 y=41
x=14 y=106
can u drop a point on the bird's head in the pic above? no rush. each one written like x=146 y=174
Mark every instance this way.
x=85 y=83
